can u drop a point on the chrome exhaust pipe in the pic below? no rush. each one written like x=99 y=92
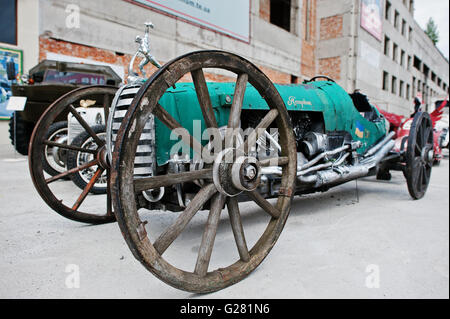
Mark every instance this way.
x=341 y=174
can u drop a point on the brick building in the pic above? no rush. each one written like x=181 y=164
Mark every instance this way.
x=376 y=46
x=280 y=33
x=390 y=60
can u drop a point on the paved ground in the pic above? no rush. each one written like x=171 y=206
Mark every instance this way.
x=332 y=246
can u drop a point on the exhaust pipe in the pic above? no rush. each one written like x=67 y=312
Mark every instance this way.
x=341 y=174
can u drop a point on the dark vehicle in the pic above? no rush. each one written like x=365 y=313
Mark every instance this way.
x=47 y=82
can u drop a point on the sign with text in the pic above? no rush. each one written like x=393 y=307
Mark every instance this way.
x=231 y=17
x=371 y=17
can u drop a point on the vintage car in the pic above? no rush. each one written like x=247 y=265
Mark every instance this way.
x=401 y=126
x=46 y=82
x=177 y=144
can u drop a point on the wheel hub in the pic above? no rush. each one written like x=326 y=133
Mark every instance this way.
x=427 y=154
x=233 y=174
x=102 y=157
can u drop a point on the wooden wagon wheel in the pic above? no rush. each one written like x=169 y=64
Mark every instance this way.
x=56 y=112
x=419 y=155
x=216 y=183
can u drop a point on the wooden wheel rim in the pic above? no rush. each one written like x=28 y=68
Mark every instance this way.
x=37 y=145
x=418 y=170
x=122 y=174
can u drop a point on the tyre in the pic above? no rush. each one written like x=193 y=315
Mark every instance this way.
x=55 y=157
x=22 y=133
x=76 y=159
x=221 y=180
x=419 y=155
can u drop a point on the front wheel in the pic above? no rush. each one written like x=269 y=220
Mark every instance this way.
x=219 y=183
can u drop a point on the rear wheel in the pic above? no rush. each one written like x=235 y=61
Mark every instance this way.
x=61 y=195
x=419 y=155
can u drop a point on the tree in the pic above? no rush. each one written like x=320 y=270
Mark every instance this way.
x=432 y=31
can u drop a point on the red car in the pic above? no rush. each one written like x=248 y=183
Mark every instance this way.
x=401 y=126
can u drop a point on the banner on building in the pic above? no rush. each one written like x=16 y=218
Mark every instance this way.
x=231 y=17
x=371 y=17
x=7 y=55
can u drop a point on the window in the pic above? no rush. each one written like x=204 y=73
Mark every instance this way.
x=401 y=87
x=411 y=6
x=408 y=91
x=385 y=81
x=439 y=82
x=408 y=66
x=394 y=85
x=396 y=18
x=294 y=79
x=387 y=11
x=280 y=13
x=417 y=63
x=403 y=27
x=426 y=70
x=402 y=57
x=410 y=34
x=8 y=23
x=395 y=52
x=433 y=76
x=386 y=45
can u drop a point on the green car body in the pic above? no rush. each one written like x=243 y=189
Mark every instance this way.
x=325 y=97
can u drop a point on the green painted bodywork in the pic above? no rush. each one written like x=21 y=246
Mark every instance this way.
x=328 y=98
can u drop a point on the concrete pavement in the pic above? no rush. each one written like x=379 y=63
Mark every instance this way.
x=384 y=246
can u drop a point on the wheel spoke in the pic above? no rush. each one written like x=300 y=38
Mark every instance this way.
x=203 y=98
x=86 y=126
x=419 y=178
x=238 y=99
x=173 y=124
x=88 y=187
x=71 y=171
x=238 y=231
x=236 y=108
x=171 y=233
x=418 y=150
x=106 y=105
x=209 y=235
x=274 y=161
x=69 y=147
x=142 y=184
x=259 y=130
x=264 y=204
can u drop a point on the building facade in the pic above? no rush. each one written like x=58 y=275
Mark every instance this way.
x=370 y=45
x=273 y=33
x=377 y=47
